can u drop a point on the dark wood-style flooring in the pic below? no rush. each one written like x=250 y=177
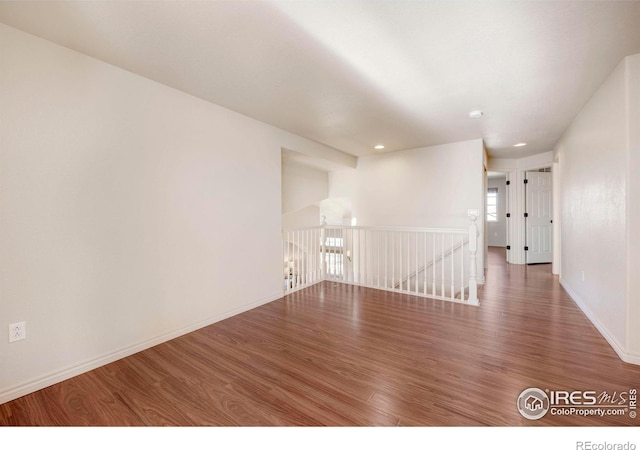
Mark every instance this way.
x=336 y=354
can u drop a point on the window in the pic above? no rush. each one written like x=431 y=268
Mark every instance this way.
x=333 y=242
x=333 y=255
x=492 y=205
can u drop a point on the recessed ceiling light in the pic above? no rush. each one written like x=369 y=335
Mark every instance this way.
x=379 y=147
x=520 y=144
x=476 y=114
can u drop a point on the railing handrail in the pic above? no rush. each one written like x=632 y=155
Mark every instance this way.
x=382 y=228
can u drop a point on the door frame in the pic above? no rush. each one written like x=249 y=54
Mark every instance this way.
x=529 y=175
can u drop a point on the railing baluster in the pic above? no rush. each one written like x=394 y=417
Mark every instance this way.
x=303 y=261
x=462 y=267
x=351 y=257
x=400 y=259
x=424 y=235
x=408 y=288
x=309 y=256
x=323 y=252
x=453 y=288
x=319 y=256
x=294 y=253
x=334 y=254
x=442 y=293
x=416 y=269
x=360 y=241
x=343 y=233
x=433 y=265
x=363 y=257
x=290 y=264
x=386 y=284
x=393 y=260
x=293 y=259
x=364 y=249
x=368 y=258
x=327 y=253
x=298 y=259
x=312 y=256
x=377 y=240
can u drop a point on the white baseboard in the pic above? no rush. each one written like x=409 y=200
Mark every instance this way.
x=52 y=378
x=619 y=349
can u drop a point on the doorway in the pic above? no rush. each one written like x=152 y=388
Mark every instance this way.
x=497 y=210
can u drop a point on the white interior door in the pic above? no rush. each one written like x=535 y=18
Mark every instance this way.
x=539 y=228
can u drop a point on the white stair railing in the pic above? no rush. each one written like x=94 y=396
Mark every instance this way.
x=437 y=263
x=303 y=257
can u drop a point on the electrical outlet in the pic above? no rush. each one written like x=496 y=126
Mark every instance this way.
x=17 y=331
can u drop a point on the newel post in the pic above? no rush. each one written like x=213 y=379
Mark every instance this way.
x=473 y=251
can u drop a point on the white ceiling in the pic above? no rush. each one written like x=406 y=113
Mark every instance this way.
x=352 y=74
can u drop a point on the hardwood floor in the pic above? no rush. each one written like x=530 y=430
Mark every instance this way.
x=335 y=354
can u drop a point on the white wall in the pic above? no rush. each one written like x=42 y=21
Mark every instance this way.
x=336 y=211
x=425 y=187
x=131 y=212
x=338 y=208
x=432 y=186
x=302 y=186
x=497 y=231
x=302 y=218
x=595 y=159
x=633 y=206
